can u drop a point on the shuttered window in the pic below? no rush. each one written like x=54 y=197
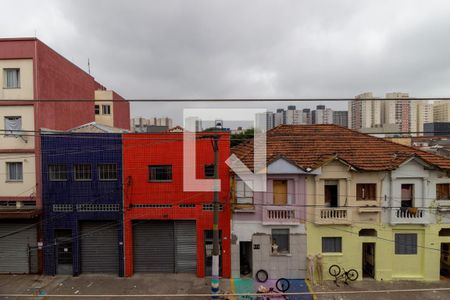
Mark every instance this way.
x=366 y=191
x=331 y=244
x=405 y=243
x=443 y=191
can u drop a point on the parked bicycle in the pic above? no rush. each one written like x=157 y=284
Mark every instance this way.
x=342 y=275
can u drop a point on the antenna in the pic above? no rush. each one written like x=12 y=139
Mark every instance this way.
x=89 y=66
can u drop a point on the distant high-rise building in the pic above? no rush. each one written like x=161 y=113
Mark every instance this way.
x=340 y=118
x=306 y=116
x=401 y=112
x=424 y=115
x=364 y=113
x=265 y=120
x=279 y=117
x=441 y=111
x=139 y=124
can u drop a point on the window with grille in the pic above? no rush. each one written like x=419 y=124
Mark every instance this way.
x=331 y=244
x=160 y=173
x=106 y=109
x=97 y=207
x=11 y=78
x=443 y=191
x=210 y=207
x=280 y=238
x=366 y=191
x=14 y=171
x=244 y=195
x=107 y=172
x=209 y=171
x=57 y=172
x=405 y=243
x=82 y=172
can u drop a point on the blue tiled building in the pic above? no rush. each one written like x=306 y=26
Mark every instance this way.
x=82 y=202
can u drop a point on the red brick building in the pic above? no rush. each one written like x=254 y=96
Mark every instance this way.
x=30 y=71
x=166 y=228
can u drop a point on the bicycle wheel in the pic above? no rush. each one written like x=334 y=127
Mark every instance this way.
x=262 y=276
x=282 y=285
x=334 y=270
x=352 y=274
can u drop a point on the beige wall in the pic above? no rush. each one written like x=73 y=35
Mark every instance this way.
x=441 y=111
x=348 y=180
x=104 y=119
x=25 y=187
x=25 y=92
x=15 y=142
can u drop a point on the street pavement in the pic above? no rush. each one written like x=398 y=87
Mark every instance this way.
x=142 y=286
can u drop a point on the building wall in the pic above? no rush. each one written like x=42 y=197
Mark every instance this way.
x=26 y=79
x=70 y=149
x=105 y=119
x=441 y=111
x=143 y=150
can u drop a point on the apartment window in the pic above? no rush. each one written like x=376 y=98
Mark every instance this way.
x=244 y=195
x=366 y=191
x=57 y=172
x=106 y=109
x=405 y=243
x=280 y=241
x=443 y=191
x=13 y=125
x=82 y=172
x=97 y=109
x=107 y=172
x=209 y=171
x=160 y=173
x=14 y=171
x=11 y=78
x=407 y=196
x=331 y=244
x=331 y=193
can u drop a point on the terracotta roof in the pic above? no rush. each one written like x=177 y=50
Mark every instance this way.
x=310 y=146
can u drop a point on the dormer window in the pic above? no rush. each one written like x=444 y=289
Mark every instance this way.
x=11 y=78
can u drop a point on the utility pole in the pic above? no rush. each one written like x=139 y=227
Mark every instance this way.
x=216 y=246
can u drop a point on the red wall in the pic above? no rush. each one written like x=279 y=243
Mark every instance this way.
x=141 y=150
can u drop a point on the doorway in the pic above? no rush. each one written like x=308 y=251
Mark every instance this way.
x=64 y=258
x=445 y=260
x=407 y=195
x=368 y=260
x=245 y=258
x=208 y=252
x=280 y=191
x=331 y=193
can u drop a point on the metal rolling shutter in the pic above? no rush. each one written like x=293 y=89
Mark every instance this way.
x=14 y=249
x=153 y=246
x=99 y=247
x=185 y=247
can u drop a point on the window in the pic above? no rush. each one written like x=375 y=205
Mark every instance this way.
x=209 y=171
x=106 y=109
x=82 y=172
x=443 y=191
x=405 y=243
x=14 y=171
x=97 y=109
x=407 y=195
x=331 y=193
x=160 y=173
x=244 y=195
x=366 y=191
x=13 y=125
x=107 y=172
x=280 y=241
x=11 y=78
x=331 y=244
x=57 y=172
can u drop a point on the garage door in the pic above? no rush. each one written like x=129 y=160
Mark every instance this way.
x=164 y=246
x=99 y=247
x=18 y=247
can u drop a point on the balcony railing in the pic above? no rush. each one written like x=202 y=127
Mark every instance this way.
x=333 y=216
x=410 y=215
x=281 y=215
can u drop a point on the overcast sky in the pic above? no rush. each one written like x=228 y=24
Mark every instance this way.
x=229 y=49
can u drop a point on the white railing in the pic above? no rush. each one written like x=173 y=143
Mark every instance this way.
x=333 y=216
x=280 y=215
x=409 y=215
